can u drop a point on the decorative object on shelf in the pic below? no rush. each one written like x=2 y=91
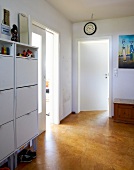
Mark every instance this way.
x=90 y=28
x=19 y=54
x=25 y=53
x=5 y=29
x=126 y=51
x=6 y=19
x=23 y=29
x=5 y=50
x=29 y=53
x=14 y=32
x=8 y=51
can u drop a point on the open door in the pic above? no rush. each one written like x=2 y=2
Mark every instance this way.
x=39 y=40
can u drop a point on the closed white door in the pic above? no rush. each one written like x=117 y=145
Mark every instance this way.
x=94 y=71
x=39 y=40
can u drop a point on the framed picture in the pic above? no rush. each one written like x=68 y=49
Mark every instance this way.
x=126 y=51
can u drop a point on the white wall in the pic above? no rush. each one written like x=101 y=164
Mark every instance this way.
x=46 y=15
x=123 y=85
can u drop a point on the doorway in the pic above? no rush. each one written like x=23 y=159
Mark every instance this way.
x=52 y=76
x=93 y=74
x=40 y=40
x=49 y=76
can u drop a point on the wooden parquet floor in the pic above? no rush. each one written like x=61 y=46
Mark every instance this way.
x=85 y=141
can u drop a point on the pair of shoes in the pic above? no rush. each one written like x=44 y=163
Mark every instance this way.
x=31 y=153
x=25 y=158
x=26 y=155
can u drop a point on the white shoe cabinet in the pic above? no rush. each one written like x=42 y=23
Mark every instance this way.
x=18 y=98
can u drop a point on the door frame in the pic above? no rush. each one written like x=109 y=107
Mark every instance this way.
x=110 y=71
x=41 y=69
x=56 y=106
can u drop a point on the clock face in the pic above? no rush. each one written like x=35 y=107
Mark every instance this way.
x=90 y=28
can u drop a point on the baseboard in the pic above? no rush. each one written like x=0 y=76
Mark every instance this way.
x=67 y=116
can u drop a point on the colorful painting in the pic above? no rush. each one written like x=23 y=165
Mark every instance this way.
x=126 y=51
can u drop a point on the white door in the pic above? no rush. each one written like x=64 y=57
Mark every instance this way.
x=94 y=71
x=38 y=40
x=52 y=76
x=49 y=76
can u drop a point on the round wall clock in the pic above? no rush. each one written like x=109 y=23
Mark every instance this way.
x=90 y=28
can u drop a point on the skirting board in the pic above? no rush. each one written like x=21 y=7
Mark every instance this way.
x=67 y=116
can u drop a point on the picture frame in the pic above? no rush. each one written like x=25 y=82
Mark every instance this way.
x=126 y=51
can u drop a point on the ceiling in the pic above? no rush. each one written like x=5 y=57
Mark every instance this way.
x=85 y=10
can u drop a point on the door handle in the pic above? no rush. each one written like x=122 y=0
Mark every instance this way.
x=106 y=76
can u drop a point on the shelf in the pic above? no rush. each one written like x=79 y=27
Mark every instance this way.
x=28 y=58
x=6 y=41
x=5 y=55
x=25 y=45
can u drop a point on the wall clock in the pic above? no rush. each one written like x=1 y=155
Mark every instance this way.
x=90 y=28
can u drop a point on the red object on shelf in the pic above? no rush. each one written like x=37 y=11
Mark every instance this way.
x=29 y=53
x=24 y=54
x=2 y=50
x=5 y=168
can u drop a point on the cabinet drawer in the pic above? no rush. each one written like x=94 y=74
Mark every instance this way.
x=27 y=100
x=125 y=106
x=6 y=73
x=124 y=113
x=26 y=72
x=132 y=116
x=26 y=128
x=6 y=106
x=6 y=139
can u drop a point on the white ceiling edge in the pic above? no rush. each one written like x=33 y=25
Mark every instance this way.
x=87 y=10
